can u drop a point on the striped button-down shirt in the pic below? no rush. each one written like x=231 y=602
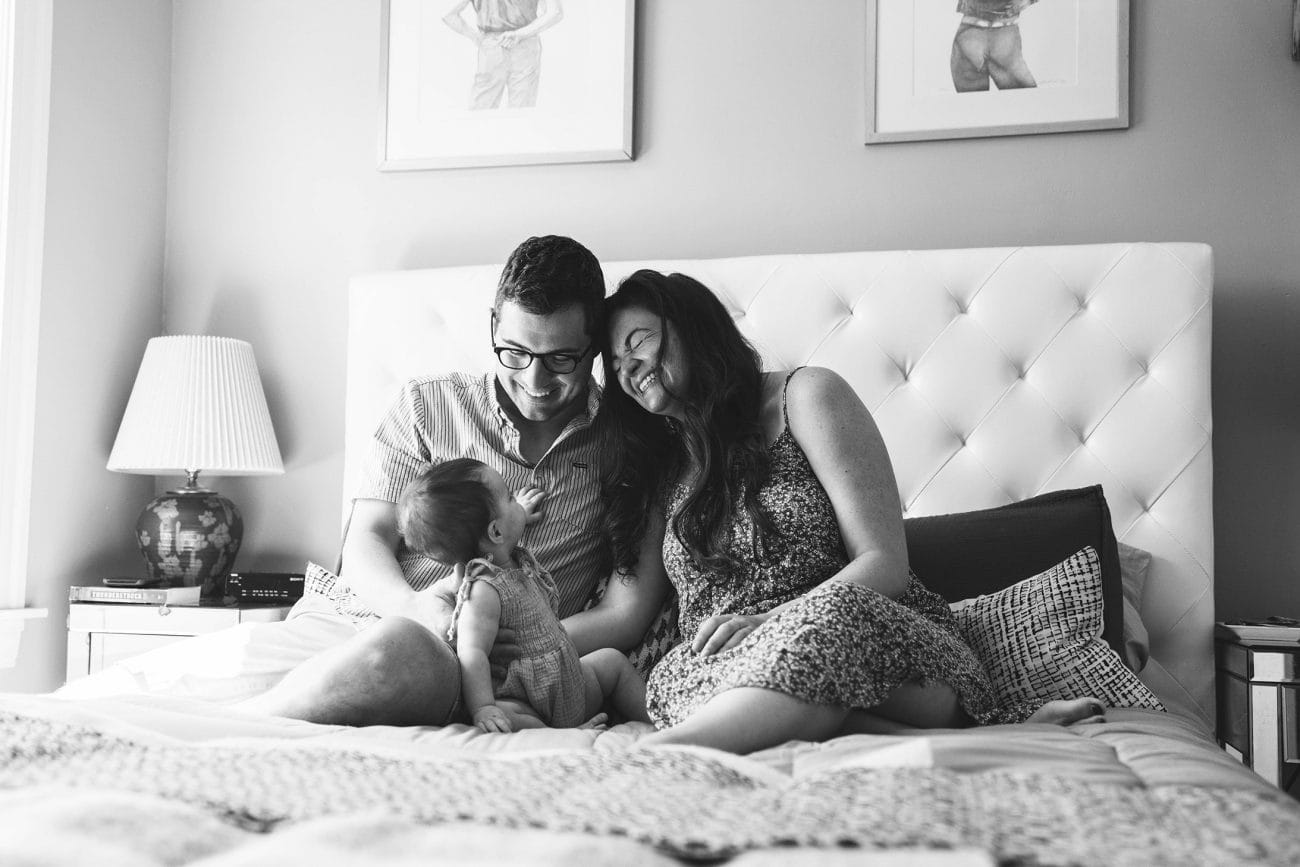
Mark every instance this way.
x=458 y=415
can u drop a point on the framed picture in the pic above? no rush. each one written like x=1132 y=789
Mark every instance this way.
x=945 y=69
x=1295 y=29
x=505 y=82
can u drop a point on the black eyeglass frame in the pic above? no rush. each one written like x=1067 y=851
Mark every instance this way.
x=568 y=361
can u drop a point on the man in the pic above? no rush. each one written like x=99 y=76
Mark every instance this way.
x=509 y=50
x=373 y=642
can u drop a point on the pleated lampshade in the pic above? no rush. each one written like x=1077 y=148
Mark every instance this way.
x=197 y=406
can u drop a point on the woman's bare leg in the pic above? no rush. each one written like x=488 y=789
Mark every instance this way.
x=934 y=705
x=746 y=719
x=1068 y=712
x=749 y=718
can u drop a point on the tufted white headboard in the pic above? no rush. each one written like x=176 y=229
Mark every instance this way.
x=995 y=374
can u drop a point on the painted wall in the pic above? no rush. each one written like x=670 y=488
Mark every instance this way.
x=101 y=302
x=749 y=126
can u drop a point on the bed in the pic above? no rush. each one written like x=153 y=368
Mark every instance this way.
x=1047 y=410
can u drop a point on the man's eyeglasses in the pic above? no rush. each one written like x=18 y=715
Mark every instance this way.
x=555 y=362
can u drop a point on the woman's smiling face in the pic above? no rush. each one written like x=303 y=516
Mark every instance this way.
x=636 y=341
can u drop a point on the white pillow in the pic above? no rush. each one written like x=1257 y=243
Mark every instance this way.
x=1134 y=564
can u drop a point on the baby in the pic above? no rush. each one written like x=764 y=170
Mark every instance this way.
x=461 y=513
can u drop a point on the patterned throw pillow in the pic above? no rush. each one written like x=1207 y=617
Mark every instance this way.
x=1041 y=639
x=661 y=636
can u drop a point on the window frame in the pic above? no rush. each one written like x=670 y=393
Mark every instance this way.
x=26 y=38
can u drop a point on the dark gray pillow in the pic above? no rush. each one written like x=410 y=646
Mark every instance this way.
x=969 y=554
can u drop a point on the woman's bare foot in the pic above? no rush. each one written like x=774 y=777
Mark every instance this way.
x=1068 y=712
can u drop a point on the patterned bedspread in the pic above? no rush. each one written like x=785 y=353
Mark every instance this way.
x=61 y=782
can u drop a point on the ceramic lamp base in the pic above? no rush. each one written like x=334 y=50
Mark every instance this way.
x=190 y=537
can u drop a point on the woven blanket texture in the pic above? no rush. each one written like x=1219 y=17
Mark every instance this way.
x=686 y=804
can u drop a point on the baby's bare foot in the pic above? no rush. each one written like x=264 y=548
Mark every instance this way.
x=1068 y=712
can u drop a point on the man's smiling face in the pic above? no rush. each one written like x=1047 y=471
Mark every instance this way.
x=536 y=393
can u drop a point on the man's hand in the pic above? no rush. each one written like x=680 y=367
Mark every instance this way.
x=531 y=499
x=724 y=631
x=491 y=718
x=432 y=607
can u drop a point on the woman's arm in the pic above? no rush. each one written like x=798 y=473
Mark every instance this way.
x=848 y=454
x=476 y=630
x=622 y=616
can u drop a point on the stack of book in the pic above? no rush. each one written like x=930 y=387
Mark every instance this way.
x=1280 y=629
x=136 y=595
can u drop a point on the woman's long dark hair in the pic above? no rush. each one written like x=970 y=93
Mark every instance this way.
x=721 y=439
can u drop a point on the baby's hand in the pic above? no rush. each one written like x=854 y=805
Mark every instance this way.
x=531 y=500
x=492 y=719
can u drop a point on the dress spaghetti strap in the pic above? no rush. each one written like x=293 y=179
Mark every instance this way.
x=785 y=414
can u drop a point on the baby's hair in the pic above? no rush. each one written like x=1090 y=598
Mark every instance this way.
x=445 y=511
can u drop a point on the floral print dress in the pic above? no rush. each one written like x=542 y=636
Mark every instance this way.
x=840 y=644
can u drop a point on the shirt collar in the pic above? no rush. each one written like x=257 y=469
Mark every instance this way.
x=594 y=392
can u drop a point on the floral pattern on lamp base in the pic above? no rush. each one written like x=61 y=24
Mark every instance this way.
x=190 y=538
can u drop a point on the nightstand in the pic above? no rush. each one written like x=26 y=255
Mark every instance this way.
x=1259 y=723
x=102 y=633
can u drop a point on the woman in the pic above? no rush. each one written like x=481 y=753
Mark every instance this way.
x=770 y=500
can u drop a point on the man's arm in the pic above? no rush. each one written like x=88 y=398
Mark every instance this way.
x=371 y=568
x=630 y=603
x=550 y=14
x=456 y=21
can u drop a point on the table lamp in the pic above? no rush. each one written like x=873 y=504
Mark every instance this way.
x=197 y=406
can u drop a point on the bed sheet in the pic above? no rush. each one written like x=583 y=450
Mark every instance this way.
x=1143 y=787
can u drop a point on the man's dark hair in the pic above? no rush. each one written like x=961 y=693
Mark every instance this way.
x=549 y=273
x=445 y=511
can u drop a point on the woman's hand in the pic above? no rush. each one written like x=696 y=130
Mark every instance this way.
x=724 y=631
x=531 y=500
x=491 y=718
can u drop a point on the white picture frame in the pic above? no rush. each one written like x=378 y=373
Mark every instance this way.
x=934 y=72
x=453 y=97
